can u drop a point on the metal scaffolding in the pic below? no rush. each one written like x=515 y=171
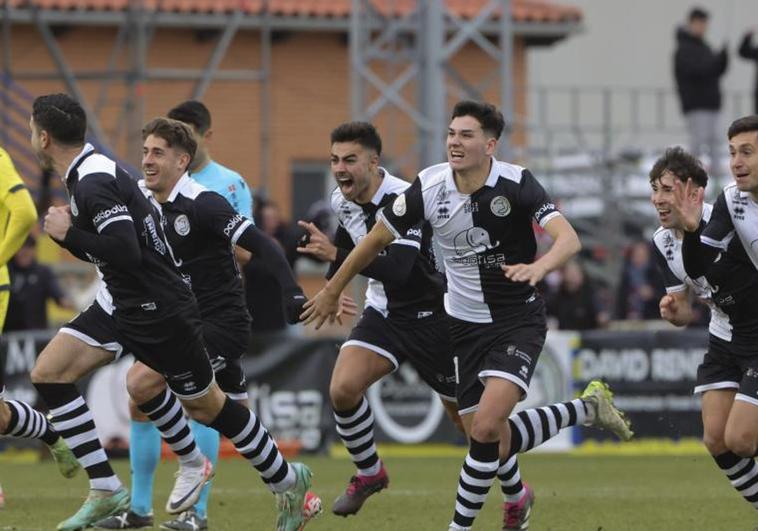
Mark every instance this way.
x=136 y=26
x=425 y=38
x=389 y=52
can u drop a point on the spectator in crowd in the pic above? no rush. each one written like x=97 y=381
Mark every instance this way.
x=268 y=217
x=640 y=288
x=32 y=285
x=697 y=69
x=749 y=50
x=573 y=304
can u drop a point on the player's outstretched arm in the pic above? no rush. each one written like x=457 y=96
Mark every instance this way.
x=394 y=267
x=325 y=305
x=676 y=308
x=565 y=245
x=23 y=215
x=271 y=254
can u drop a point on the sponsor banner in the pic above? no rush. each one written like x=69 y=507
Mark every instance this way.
x=288 y=384
x=18 y=353
x=652 y=375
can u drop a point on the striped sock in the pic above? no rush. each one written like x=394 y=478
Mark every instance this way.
x=356 y=429
x=529 y=429
x=28 y=423
x=478 y=472
x=509 y=475
x=532 y=427
x=742 y=473
x=72 y=419
x=254 y=443
x=166 y=413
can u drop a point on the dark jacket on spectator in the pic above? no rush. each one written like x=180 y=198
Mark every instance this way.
x=697 y=69
x=575 y=310
x=748 y=50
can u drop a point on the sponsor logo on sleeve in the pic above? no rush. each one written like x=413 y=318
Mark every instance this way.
x=109 y=213
x=74 y=208
x=544 y=209
x=232 y=224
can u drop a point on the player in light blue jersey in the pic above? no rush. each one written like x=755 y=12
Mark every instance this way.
x=206 y=171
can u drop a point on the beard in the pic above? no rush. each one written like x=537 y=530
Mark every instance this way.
x=45 y=161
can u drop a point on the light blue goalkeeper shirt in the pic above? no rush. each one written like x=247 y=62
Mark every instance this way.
x=229 y=184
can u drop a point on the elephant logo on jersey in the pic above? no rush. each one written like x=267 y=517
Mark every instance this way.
x=182 y=225
x=473 y=241
x=500 y=206
x=74 y=208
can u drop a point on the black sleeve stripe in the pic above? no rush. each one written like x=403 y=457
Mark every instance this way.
x=16 y=188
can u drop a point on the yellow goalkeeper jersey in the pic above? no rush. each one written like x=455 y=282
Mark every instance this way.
x=17 y=215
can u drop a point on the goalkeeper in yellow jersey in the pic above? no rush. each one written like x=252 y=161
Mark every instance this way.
x=17 y=217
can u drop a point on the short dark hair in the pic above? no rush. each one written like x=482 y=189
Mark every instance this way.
x=698 y=13
x=746 y=124
x=682 y=165
x=362 y=133
x=194 y=113
x=490 y=118
x=62 y=117
x=176 y=134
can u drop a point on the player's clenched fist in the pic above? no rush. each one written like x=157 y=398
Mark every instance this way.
x=668 y=307
x=57 y=222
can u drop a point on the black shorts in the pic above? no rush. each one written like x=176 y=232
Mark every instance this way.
x=230 y=340
x=226 y=345
x=424 y=342
x=230 y=377
x=504 y=349
x=728 y=367
x=169 y=344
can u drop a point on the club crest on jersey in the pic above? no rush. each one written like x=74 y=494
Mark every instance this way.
x=182 y=225
x=500 y=206
x=74 y=208
x=399 y=207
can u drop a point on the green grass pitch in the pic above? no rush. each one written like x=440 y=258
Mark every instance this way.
x=574 y=493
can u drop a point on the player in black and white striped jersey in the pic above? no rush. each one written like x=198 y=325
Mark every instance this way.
x=481 y=211
x=728 y=376
x=144 y=308
x=403 y=318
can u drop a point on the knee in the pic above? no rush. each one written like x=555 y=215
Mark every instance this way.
x=485 y=429
x=41 y=374
x=344 y=394
x=206 y=408
x=142 y=383
x=714 y=443
x=742 y=443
